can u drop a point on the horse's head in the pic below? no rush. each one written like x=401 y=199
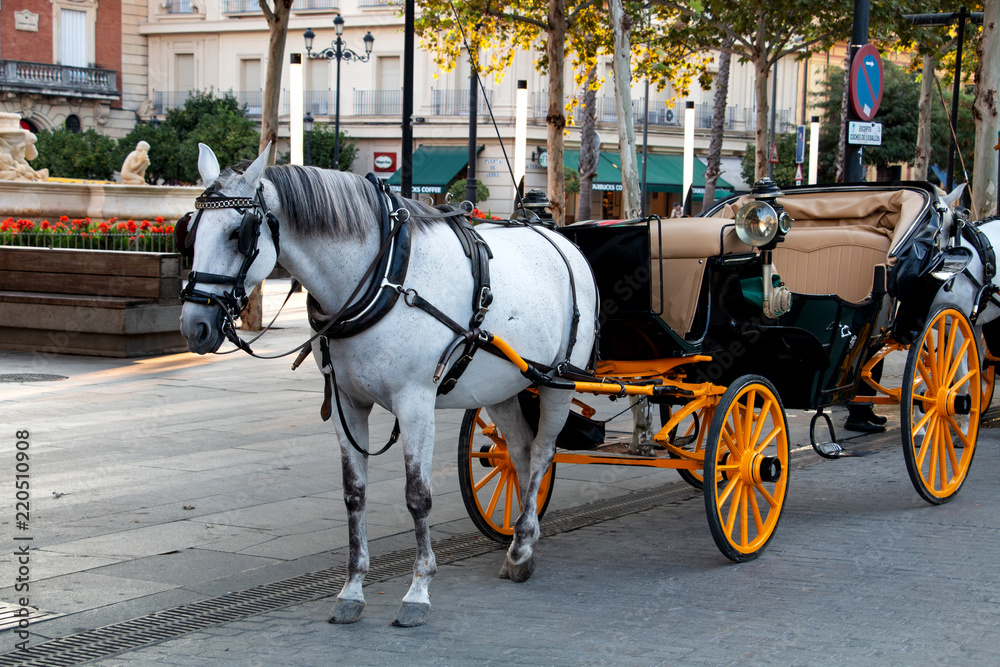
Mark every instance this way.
x=234 y=239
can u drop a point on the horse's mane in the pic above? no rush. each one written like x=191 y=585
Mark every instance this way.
x=318 y=201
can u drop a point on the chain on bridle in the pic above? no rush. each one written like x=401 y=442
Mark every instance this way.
x=232 y=301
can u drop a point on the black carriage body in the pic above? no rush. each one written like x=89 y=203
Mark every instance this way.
x=813 y=354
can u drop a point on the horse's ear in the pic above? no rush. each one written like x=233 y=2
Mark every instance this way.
x=208 y=165
x=254 y=171
x=953 y=196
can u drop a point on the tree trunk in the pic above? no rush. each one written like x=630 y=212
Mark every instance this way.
x=589 y=151
x=922 y=158
x=761 y=70
x=252 y=317
x=555 y=48
x=842 y=142
x=621 y=28
x=713 y=170
x=985 y=111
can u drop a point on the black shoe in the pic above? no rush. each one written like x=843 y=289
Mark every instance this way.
x=853 y=424
x=863 y=412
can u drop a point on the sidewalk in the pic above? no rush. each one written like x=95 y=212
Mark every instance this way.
x=175 y=480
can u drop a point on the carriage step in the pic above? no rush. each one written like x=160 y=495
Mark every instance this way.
x=828 y=450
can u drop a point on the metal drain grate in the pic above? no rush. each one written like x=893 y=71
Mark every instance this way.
x=10 y=615
x=177 y=621
x=30 y=377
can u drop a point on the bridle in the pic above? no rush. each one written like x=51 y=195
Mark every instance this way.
x=233 y=301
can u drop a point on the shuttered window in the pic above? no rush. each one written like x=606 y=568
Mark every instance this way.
x=73 y=38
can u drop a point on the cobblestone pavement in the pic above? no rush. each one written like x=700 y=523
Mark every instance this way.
x=172 y=481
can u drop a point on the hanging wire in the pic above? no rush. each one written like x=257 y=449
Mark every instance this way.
x=474 y=64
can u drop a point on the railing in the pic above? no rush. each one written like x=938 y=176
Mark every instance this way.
x=736 y=119
x=316 y=102
x=240 y=7
x=91 y=82
x=252 y=101
x=368 y=4
x=378 y=102
x=165 y=100
x=456 y=102
x=178 y=7
x=305 y=5
x=140 y=241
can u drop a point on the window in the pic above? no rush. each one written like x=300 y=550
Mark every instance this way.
x=250 y=89
x=184 y=72
x=388 y=73
x=73 y=42
x=318 y=90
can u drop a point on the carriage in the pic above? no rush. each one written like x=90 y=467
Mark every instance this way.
x=768 y=301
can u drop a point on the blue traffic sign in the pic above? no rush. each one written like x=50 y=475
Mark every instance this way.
x=866 y=82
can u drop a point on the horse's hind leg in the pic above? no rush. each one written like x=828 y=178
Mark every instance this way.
x=531 y=457
x=351 y=601
x=417 y=431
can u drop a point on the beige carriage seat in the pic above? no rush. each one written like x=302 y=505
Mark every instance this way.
x=838 y=239
x=682 y=246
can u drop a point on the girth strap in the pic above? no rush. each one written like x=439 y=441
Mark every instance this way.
x=981 y=243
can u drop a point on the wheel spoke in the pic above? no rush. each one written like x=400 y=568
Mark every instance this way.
x=769 y=439
x=959 y=432
x=761 y=422
x=932 y=467
x=949 y=349
x=929 y=437
x=480 y=422
x=737 y=429
x=957 y=362
x=507 y=502
x=486 y=478
x=927 y=372
x=744 y=528
x=734 y=507
x=497 y=492
x=748 y=420
x=727 y=491
x=757 y=518
x=938 y=341
x=767 y=495
x=923 y=420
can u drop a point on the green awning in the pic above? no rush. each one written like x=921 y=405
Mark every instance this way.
x=665 y=173
x=434 y=167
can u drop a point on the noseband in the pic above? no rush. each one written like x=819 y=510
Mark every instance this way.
x=232 y=301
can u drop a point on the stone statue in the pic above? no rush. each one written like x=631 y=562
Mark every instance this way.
x=17 y=146
x=134 y=168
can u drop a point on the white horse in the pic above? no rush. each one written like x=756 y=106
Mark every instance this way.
x=328 y=223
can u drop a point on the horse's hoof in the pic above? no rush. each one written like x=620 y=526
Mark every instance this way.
x=411 y=614
x=518 y=573
x=346 y=611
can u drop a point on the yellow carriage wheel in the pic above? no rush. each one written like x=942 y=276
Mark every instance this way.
x=488 y=480
x=746 y=452
x=941 y=405
x=689 y=436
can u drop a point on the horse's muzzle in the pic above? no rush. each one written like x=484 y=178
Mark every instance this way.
x=201 y=327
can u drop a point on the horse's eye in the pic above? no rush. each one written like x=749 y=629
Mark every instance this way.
x=234 y=235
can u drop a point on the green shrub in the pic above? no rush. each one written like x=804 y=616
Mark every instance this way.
x=76 y=155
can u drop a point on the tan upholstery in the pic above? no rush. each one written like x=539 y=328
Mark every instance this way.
x=687 y=243
x=837 y=240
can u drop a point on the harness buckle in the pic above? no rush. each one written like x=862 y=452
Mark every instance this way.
x=401 y=215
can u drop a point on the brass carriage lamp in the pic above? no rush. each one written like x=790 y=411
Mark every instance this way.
x=763 y=224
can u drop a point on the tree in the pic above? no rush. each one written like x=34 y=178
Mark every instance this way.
x=321 y=143
x=69 y=154
x=713 y=169
x=985 y=109
x=621 y=28
x=277 y=24
x=900 y=96
x=784 y=171
x=546 y=25
x=589 y=150
x=457 y=190
x=764 y=33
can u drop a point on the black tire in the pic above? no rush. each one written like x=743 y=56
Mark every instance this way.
x=751 y=473
x=478 y=467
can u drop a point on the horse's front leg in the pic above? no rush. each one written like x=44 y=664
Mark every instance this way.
x=416 y=423
x=351 y=601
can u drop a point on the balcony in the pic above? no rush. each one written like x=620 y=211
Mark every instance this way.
x=316 y=6
x=251 y=101
x=17 y=76
x=316 y=102
x=241 y=7
x=179 y=7
x=378 y=102
x=456 y=102
x=372 y=4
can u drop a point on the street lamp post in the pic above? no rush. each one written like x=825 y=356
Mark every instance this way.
x=307 y=126
x=338 y=52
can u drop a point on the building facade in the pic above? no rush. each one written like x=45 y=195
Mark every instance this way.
x=221 y=45
x=79 y=64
